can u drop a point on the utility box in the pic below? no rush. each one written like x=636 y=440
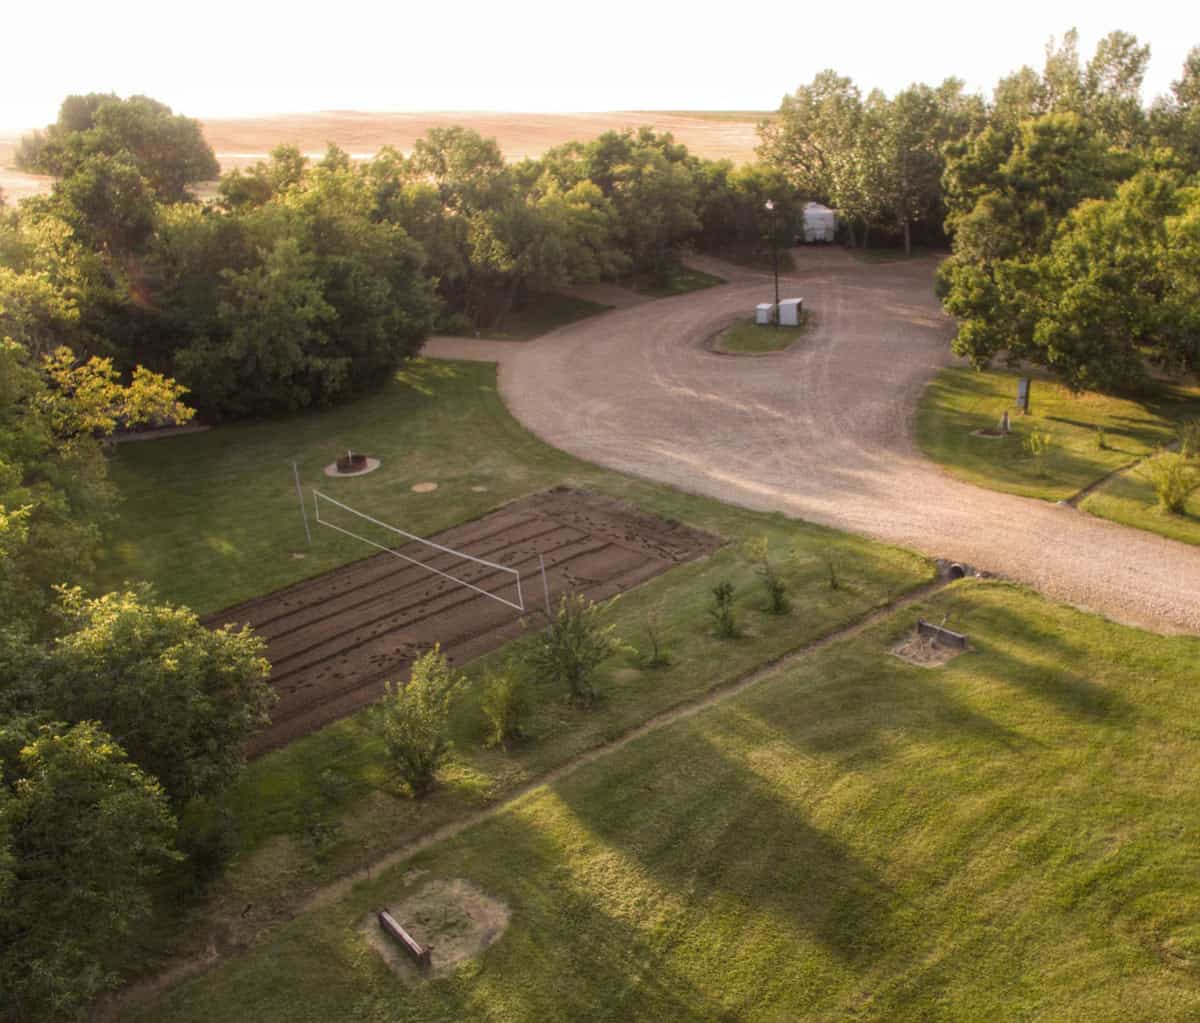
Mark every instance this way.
x=764 y=313
x=790 y=310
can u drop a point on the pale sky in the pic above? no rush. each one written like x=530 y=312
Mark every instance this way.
x=225 y=58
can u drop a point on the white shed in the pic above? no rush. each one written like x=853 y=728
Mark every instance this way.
x=820 y=223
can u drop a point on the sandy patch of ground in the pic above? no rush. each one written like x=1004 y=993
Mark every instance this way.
x=454 y=919
x=925 y=652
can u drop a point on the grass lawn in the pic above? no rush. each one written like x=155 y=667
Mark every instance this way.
x=749 y=338
x=960 y=401
x=1129 y=498
x=682 y=281
x=539 y=315
x=1010 y=837
x=212 y=519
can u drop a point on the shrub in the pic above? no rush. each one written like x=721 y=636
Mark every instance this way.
x=1189 y=438
x=1039 y=444
x=570 y=649
x=655 y=656
x=506 y=704
x=835 y=582
x=721 y=611
x=759 y=552
x=416 y=720
x=1173 y=480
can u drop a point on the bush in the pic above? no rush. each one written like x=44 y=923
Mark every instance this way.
x=655 y=656
x=1189 y=438
x=1173 y=480
x=416 y=720
x=721 y=611
x=570 y=649
x=1039 y=444
x=758 y=550
x=506 y=705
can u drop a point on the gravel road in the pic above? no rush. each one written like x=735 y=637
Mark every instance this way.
x=822 y=432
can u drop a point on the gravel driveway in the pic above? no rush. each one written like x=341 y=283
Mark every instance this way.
x=821 y=432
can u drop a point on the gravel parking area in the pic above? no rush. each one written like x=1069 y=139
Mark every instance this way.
x=821 y=431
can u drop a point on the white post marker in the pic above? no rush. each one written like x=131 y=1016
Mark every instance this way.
x=303 y=508
x=545 y=585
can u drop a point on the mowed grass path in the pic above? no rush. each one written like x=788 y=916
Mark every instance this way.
x=960 y=401
x=212 y=519
x=1013 y=836
x=1129 y=498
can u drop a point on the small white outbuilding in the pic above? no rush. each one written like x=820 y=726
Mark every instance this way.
x=820 y=223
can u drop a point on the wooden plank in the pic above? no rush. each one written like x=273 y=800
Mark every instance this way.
x=941 y=635
x=414 y=948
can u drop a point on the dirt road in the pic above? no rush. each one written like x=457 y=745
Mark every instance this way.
x=823 y=431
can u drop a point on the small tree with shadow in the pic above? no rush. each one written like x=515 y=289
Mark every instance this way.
x=506 y=704
x=1039 y=444
x=572 y=646
x=1173 y=479
x=721 y=611
x=416 y=721
x=759 y=552
x=655 y=655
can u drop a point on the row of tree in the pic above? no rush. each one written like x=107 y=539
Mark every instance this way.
x=1070 y=206
x=118 y=716
x=305 y=283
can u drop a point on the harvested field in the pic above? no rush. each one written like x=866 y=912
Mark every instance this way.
x=240 y=141
x=333 y=641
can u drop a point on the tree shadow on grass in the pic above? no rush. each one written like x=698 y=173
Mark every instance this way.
x=703 y=824
x=568 y=953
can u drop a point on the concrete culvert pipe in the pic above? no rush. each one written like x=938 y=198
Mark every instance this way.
x=957 y=571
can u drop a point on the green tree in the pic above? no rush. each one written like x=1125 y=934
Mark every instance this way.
x=88 y=832
x=166 y=149
x=1006 y=202
x=416 y=721
x=54 y=494
x=180 y=698
x=572 y=646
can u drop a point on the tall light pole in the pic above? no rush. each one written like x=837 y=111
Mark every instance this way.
x=770 y=204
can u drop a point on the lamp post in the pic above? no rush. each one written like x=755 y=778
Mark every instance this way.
x=770 y=204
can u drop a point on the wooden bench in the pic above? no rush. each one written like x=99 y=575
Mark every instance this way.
x=419 y=954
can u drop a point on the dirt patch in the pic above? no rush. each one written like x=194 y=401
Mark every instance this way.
x=454 y=919
x=427 y=487
x=925 y=652
x=334 y=640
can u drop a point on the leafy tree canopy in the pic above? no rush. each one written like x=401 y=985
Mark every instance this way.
x=166 y=149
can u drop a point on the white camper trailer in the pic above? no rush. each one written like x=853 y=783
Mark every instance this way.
x=820 y=223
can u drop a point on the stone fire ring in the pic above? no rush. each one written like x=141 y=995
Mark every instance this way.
x=372 y=464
